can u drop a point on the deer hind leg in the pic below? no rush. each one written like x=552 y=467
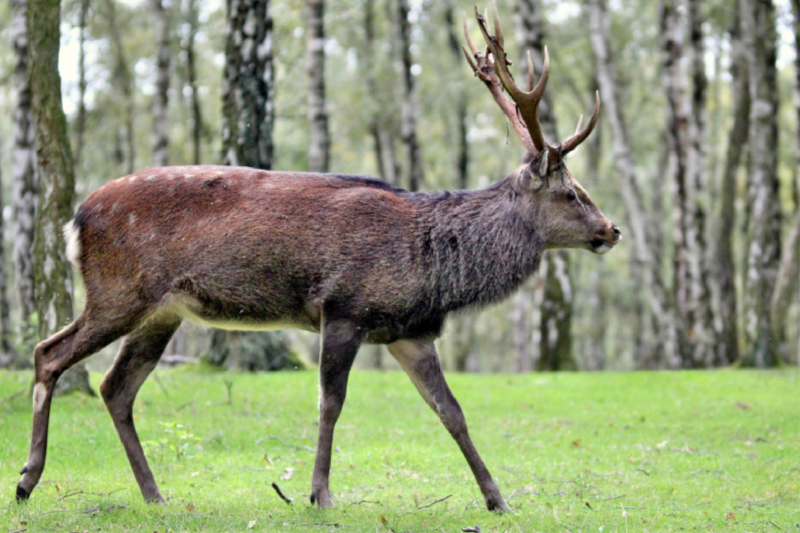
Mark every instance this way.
x=52 y=358
x=421 y=362
x=137 y=357
x=339 y=344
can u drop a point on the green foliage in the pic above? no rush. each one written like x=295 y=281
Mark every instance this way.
x=574 y=452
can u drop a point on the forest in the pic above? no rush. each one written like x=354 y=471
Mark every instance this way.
x=696 y=157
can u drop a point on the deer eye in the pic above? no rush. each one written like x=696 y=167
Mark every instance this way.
x=571 y=197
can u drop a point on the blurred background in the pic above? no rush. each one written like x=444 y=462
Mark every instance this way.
x=695 y=156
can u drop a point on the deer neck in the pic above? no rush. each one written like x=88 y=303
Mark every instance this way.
x=476 y=248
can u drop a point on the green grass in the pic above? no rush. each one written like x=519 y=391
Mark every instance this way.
x=571 y=452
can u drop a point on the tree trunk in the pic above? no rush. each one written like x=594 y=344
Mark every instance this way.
x=383 y=140
x=555 y=352
x=8 y=355
x=123 y=82
x=319 y=139
x=764 y=228
x=412 y=168
x=701 y=328
x=80 y=120
x=248 y=119
x=645 y=254
x=25 y=189
x=160 y=138
x=191 y=74
x=788 y=283
x=728 y=345
x=56 y=175
x=462 y=145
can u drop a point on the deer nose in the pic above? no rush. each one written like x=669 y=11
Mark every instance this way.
x=616 y=231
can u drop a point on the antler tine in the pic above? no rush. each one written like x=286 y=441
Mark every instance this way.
x=530 y=73
x=578 y=127
x=527 y=101
x=469 y=39
x=498 y=33
x=573 y=142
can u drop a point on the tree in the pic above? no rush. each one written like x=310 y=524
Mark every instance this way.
x=646 y=254
x=764 y=225
x=728 y=345
x=686 y=131
x=160 y=142
x=555 y=320
x=25 y=190
x=412 y=169
x=248 y=116
x=56 y=176
x=8 y=355
x=80 y=120
x=319 y=139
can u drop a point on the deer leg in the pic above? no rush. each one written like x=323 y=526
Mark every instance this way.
x=137 y=357
x=421 y=362
x=338 y=346
x=52 y=358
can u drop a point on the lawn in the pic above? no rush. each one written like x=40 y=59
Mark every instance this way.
x=600 y=452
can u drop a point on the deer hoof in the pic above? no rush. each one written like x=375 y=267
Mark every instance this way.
x=22 y=494
x=322 y=498
x=498 y=505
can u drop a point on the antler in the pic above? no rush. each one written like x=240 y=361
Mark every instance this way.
x=483 y=66
x=492 y=68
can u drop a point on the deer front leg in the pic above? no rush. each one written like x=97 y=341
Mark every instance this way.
x=338 y=346
x=421 y=362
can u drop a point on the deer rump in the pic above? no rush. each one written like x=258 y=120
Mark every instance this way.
x=239 y=248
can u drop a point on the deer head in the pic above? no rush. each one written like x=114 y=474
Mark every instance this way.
x=562 y=209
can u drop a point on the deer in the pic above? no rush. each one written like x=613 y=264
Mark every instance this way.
x=352 y=258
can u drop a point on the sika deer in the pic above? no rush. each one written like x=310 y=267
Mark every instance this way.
x=353 y=258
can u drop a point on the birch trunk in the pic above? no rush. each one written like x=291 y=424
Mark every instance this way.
x=764 y=228
x=191 y=75
x=56 y=175
x=555 y=322
x=645 y=254
x=412 y=168
x=123 y=82
x=383 y=140
x=160 y=135
x=319 y=138
x=248 y=120
x=80 y=120
x=25 y=189
x=728 y=345
x=8 y=355
x=788 y=283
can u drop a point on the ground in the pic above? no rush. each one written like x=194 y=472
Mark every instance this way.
x=599 y=452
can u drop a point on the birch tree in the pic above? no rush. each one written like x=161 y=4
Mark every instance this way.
x=412 y=168
x=764 y=228
x=319 y=145
x=728 y=345
x=555 y=303
x=160 y=135
x=56 y=176
x=645 y=255
x=248 y=118
x=25 y=188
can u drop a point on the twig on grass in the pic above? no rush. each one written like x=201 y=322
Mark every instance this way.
x=643 y=471
x=611 y=498
x=475 y=529
x=71 y=494
x=433 y=502
x=19 y=530
x=281 y=494
x=367 y=501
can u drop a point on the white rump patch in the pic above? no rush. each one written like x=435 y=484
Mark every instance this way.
x=72 y=236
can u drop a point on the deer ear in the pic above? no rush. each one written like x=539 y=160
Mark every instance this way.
x=529 y=180
x=543 y=162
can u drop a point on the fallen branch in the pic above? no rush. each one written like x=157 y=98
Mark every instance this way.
x=611 y=498
x=71 y=494
x=281 y=494
x=475 y=529
x=434 y=502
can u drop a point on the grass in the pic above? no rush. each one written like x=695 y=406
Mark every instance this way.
x=602 y=452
